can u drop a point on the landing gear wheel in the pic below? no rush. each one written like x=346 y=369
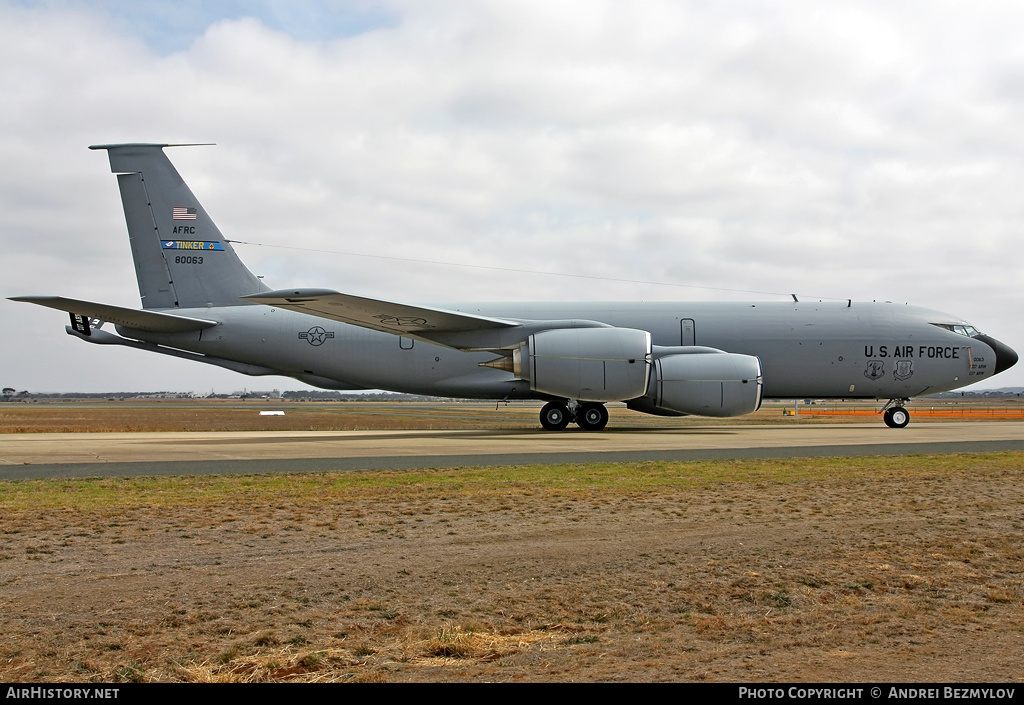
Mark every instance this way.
x=554 y=416
x=592 y=416
x=896 y=417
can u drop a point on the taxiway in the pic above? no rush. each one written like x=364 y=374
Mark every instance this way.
x=56 y=455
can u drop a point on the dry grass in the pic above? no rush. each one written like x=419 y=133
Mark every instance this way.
x=505 y=485
x=233 y=415
x=201 y=415
x=900 y=569
x=450 y=645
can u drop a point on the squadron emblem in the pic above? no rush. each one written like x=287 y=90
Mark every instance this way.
x=904 y=370
x=875 y=370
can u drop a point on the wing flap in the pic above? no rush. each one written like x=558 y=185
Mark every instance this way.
x=149 y=321
x=376 y=314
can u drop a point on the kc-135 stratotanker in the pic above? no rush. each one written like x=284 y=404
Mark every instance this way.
x=199 y=302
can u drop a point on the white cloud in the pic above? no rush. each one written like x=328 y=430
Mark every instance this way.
x=864 y=150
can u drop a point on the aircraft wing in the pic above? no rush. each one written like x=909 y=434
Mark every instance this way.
x=376 y=314
x=149 y=321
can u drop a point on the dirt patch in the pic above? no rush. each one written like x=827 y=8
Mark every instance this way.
x=894 y=572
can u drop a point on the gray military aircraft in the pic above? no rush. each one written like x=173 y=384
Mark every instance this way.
x=199 y=302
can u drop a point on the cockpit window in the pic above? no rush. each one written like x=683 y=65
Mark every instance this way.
x=959 y=328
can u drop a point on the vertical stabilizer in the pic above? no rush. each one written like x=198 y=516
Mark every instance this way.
x=181 y=258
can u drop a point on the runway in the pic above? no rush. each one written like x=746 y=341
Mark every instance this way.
x=62 y=455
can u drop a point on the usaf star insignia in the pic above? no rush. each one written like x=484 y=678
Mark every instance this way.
x=316 y=335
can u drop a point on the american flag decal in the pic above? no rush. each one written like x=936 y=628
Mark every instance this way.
x=182 y=213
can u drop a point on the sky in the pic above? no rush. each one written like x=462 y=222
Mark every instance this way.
x=431 y=151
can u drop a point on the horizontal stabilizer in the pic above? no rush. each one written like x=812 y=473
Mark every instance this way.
x=384 y=316
x=149 y=321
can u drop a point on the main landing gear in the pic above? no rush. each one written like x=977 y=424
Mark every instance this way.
x=894 y=414
x=590 y=416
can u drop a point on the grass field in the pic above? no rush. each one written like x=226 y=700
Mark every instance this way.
x=236 y=415
x=843 y=569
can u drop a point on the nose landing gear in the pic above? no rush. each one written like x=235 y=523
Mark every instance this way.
x=895 y=414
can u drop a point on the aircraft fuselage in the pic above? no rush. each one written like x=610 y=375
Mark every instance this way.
x=821 y=350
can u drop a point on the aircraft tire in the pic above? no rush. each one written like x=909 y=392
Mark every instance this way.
x=554 y=416
x=896 y=417
x=592 y=416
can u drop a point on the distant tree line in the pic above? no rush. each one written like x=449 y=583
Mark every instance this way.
x=10 y=394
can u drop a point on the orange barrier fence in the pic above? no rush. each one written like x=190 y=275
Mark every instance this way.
x=965 y=412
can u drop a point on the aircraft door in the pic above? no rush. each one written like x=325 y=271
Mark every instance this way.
x=686 y=332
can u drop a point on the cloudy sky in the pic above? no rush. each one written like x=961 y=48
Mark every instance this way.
x=678 y=150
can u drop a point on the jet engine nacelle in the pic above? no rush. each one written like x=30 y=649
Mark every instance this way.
x=704 y=384
x=586 y=364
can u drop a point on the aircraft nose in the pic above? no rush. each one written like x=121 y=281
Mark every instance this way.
x=1006 y=357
